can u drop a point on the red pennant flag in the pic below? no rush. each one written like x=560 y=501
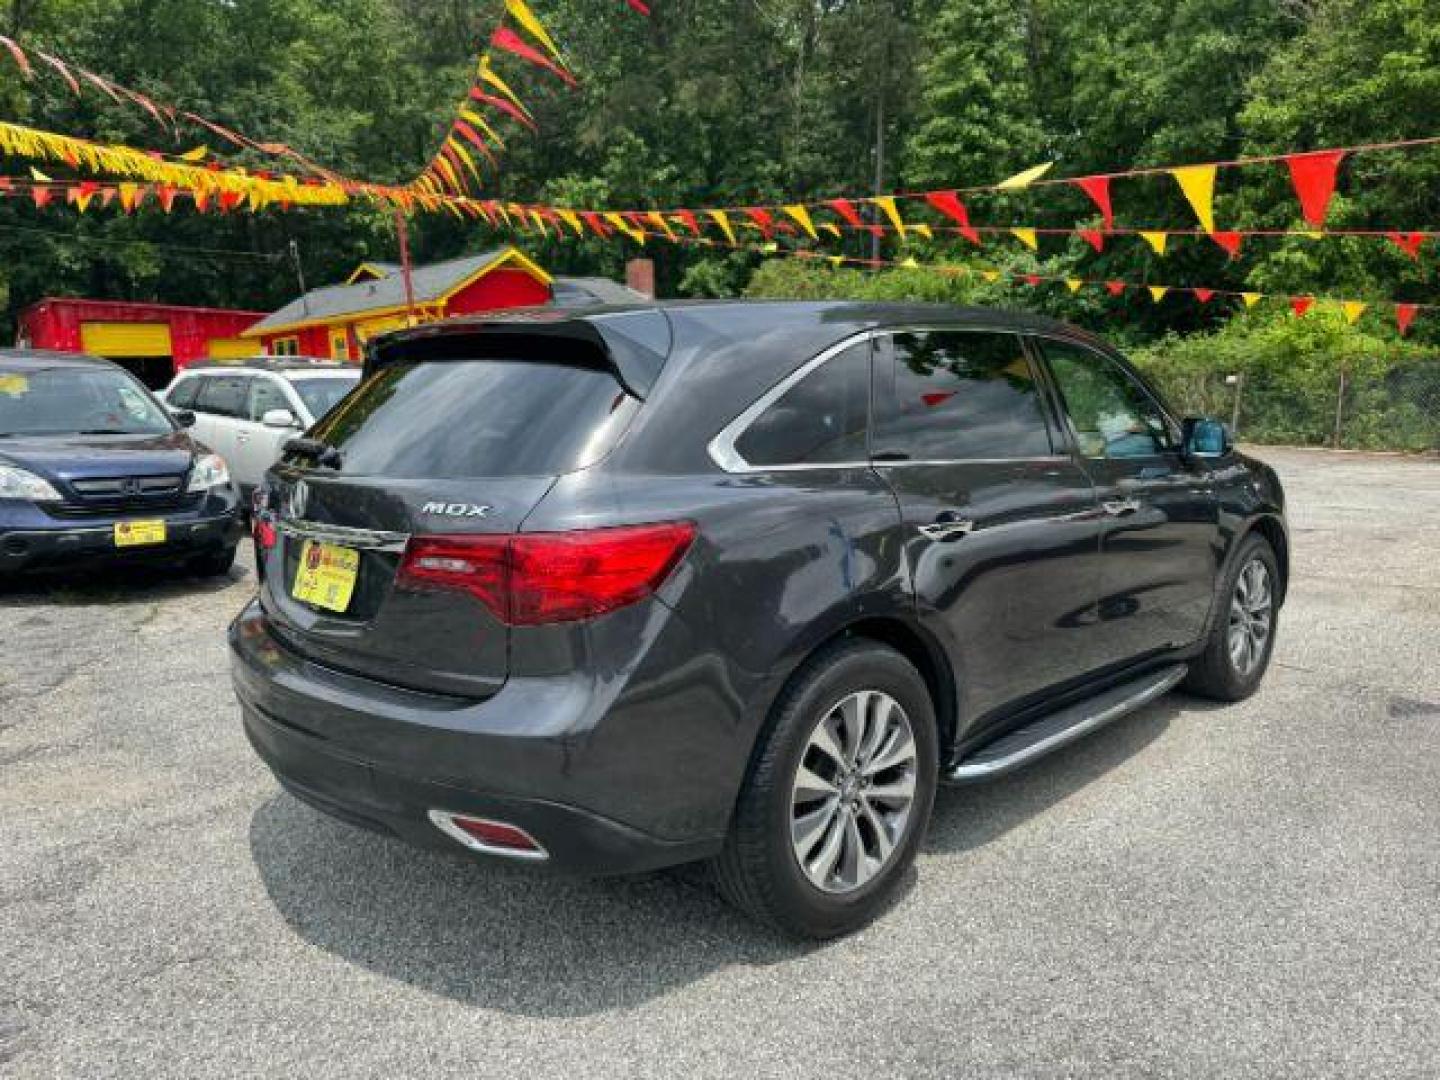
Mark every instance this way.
x=690 y=221
x=846 y=210
x=1203 y=295
x=507 y=39
x=202 y=201
x=18 y=55
x=763 y=221
x=638 y=5
x=1314 y=178
x=473 y=136
x=107 y=195
x=1098 y=188
x=509 y=108
x=41 y=195
x=1301 y=304
x=1407 y=242
x=1033 y=280
x=166 y=197
x=1115 y=287
x=1404 y=316
x=1094 y=238
x=59 y=65
x=596 y=222
x=949 y=204
x=1230 y=241
x=229 y=200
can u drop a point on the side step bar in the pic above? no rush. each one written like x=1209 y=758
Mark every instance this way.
x=1035 y=740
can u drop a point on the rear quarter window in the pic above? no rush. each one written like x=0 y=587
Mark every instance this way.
x=456 y=419
x=182 y=395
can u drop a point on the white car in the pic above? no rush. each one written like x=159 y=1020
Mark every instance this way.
x=247 y=411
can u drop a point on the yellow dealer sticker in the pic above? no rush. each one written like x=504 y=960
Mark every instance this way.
x=14 y=385
x=326 y=575
x=139 y=533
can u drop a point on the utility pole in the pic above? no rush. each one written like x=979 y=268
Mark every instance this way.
x=879 y=147
x=299 y=276
x=402 y=229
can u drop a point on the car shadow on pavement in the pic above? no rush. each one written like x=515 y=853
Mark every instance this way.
x=83 y=586
x=537 y=945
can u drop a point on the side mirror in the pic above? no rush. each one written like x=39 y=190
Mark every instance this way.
x=280 y=418
x=184 y=417
x=1206 y=438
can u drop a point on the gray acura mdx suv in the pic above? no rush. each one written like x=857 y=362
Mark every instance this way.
x=615 y=589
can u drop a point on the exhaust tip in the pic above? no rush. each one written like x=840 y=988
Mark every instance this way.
x=489 y=836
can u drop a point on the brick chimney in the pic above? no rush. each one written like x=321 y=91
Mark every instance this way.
x=640 y=276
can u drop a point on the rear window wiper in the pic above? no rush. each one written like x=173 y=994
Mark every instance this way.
x=323 y=454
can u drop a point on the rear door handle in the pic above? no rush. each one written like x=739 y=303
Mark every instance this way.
x=948 y=525
x=1121 y=507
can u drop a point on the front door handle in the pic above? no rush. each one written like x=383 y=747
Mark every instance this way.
x=1121 y=507
x=948 y=525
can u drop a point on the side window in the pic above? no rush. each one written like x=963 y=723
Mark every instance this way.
x=958 y=395
x=1112 y=414
x=183 y=396
x=223 y=396
x=820 y=420
x=265 y=394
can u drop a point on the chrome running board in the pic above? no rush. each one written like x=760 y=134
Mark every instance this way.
x=1051 y=732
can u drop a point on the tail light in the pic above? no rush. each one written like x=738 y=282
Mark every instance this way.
x=537 y=578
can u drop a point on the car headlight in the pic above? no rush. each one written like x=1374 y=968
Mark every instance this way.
x=209 y=472
x=19 y=484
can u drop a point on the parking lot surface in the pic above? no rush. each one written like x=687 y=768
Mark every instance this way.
x=1249 y=891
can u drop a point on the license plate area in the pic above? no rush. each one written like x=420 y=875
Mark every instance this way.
x=139 y=533
x=325 y=575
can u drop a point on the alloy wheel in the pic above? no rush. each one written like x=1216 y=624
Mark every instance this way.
x=1251 y=617
x=853 y=792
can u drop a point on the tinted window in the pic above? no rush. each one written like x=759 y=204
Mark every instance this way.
x=223 y=395
x=477 y=418
x=182 y=396
x=957 y=395
x=266 y=394
x=821 y=419
x=322 y=395
x=67 y=401
x=1112 y=414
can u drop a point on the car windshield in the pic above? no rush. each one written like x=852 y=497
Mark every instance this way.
x=77 y=401
x=320 y=395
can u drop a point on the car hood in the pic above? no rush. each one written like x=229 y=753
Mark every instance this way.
x=76 y=457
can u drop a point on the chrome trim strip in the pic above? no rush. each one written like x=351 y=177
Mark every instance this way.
x=445 y=822
x=343 y=535
x=985 y=770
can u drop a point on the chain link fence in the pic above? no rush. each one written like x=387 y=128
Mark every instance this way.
x=1394 y=409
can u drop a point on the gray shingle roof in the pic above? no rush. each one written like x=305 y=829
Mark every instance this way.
x=582 y=291
x=430 y=283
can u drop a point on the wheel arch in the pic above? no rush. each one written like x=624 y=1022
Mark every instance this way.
x=1270 y=528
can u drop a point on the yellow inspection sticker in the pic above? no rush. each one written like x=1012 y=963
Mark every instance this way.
x=14 y=385
x=139 y=533
x=326 y=575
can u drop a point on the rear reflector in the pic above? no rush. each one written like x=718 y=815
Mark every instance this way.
x=491 y=837
x=537 y=578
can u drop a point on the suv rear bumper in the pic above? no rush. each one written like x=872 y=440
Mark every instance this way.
x=383 y=757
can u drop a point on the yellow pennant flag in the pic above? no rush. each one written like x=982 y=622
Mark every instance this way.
x=472 y=117
x=198 y=154
x=1314 y=234
x=1156 y=240
x=887 y=204
x=1021 y=180
x=36 y=174
x=802 y=217
x=660 y=222
x=1027 y=237
x=831 y=228
x=526 y=18
x=837 y=260
x=129 y=196
x=909 y=263
x=1157 y=292
x=991 y=276
x=487 y=73
x=723 y=220
x=1250 y=298
x=923 y=230
x=769 y=249
x=573 y=220
x=624 y=226
x=1353 y=309
x=1074 y=284
x=1198 y=184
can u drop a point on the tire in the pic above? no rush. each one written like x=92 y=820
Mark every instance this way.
x=1221 y=671
x=215 y=563
x=759 y=870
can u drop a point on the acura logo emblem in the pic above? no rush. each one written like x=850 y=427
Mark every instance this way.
x=297 y=500
x=130 y=486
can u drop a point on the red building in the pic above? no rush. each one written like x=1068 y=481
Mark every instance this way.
x=336 y=321
x=152 y=340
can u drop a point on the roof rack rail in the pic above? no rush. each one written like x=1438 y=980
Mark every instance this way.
x=269 y=363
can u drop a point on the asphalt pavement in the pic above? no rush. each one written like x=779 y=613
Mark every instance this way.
x=1249 y=891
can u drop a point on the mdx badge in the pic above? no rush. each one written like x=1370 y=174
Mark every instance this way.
x=464 y=510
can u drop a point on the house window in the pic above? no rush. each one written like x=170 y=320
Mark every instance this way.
x=285 y=346
x=339 y=345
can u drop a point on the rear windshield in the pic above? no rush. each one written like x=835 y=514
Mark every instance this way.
x=70 y=401
x=457 y=419
x=322 y=395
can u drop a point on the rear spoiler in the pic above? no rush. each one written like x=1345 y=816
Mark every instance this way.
x=633 y=343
